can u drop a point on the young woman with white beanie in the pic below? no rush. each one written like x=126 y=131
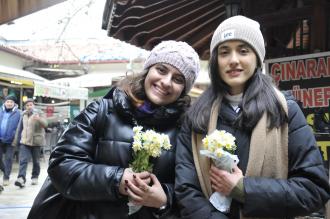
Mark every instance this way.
x=280 y=173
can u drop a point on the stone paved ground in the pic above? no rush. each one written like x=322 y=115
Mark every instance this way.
x=15 y=203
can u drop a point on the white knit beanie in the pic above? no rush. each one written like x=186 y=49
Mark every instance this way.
x=178 y=54
x=240 y=28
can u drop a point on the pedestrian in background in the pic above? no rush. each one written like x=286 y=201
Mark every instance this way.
x=30 y=135
x=89 y=167
x=280 y=173
x=4 y=94
x=9 y=118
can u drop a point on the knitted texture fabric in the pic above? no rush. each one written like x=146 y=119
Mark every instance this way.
x=240 y=28
x=178 y=54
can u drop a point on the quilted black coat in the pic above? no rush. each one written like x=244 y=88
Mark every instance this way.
x=306 y=190
x=88 y=162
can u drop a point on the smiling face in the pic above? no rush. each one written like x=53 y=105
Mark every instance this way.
x=163 y=84
x=237 y=62
x=9 y=104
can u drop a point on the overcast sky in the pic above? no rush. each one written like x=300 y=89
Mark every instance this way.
x=70 y=19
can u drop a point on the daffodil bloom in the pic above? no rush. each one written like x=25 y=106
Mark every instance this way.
x=220 y=147
x=219 y=140
x=147 y=144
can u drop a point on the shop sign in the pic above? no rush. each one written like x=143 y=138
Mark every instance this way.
x=59 y=92
x=308 y=77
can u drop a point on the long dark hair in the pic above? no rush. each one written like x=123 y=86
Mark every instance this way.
x=133 y=85
x=259 y=97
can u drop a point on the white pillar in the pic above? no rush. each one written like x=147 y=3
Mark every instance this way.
x=82 y=104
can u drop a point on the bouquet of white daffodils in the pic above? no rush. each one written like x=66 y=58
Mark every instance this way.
x=146 y=144
x=220 y=146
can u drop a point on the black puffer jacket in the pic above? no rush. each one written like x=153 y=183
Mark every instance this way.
x=306 y=190
x=87 y=173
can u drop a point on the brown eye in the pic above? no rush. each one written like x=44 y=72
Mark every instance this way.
x=178 y=79
x=244 y=51
x=223 y=52
x=161 y=70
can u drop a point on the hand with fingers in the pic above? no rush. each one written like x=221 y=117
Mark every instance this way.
x=128 y=177
x=223 y=181
x=140 y=193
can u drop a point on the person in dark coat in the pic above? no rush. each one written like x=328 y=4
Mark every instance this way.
x=280 y=173
x=9 y=119
x=89 y=174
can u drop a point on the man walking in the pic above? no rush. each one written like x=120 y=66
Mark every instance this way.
x=9 y=118
x=31 y=132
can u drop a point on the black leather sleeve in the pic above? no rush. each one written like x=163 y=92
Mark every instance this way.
x=72 y=168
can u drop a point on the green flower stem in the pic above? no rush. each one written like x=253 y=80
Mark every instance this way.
x=141 y=162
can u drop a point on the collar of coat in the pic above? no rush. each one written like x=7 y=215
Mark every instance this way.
x=268 y=155
x=12 y=109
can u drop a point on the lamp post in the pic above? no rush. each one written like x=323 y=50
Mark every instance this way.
x=232 y=7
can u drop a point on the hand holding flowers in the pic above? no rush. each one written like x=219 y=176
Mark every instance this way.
x=146 y=144
x=223 y=181
x=141 y=193
x=128 y=177
x=220 y=146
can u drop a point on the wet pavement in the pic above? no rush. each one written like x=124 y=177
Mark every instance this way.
x=15 y=203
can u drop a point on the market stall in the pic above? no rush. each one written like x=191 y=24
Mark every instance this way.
x=75 y=95
x=17 y=82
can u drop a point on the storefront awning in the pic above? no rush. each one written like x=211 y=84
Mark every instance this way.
x=18 y=76
x=98 y=93
x=88 y=80
x=60 y=92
